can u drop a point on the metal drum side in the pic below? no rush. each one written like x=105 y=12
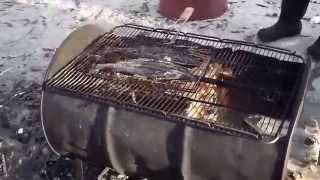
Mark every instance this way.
x=140 y=145
x=74 y=44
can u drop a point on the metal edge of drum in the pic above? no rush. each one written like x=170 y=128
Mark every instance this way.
x=43 y=127
x=95 y=31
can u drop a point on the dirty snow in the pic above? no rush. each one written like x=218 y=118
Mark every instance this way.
x=32 y=29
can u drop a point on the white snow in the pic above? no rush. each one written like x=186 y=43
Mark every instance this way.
x=315 y=20
x=20 y=131
x=32 y=29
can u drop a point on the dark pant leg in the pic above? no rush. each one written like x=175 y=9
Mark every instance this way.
x=293 y=10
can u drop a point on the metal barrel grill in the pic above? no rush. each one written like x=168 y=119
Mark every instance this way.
x=234 y=121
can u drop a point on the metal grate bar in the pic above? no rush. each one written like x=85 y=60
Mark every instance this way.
x=214 y=100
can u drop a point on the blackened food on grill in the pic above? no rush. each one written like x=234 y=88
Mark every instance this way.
x=146 y=40
x=149 y=68
x=177 y=55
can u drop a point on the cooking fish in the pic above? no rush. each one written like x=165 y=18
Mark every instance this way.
x=149 y=68
x=177 y=55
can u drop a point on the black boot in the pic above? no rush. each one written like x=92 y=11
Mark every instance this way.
x=314 y=50
x=289 y=23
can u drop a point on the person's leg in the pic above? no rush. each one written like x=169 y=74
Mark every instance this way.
x=289 y=23
x=314 y=50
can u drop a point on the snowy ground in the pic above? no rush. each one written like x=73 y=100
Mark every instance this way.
x=30 y=30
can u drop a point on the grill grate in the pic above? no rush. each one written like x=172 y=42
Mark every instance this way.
x=256 y=102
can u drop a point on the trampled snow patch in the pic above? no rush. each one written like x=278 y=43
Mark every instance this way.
x=32 y=29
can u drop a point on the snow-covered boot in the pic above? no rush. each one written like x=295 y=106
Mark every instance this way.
x=289 y=23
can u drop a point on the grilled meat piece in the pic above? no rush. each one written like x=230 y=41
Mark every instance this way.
x=149 y=68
